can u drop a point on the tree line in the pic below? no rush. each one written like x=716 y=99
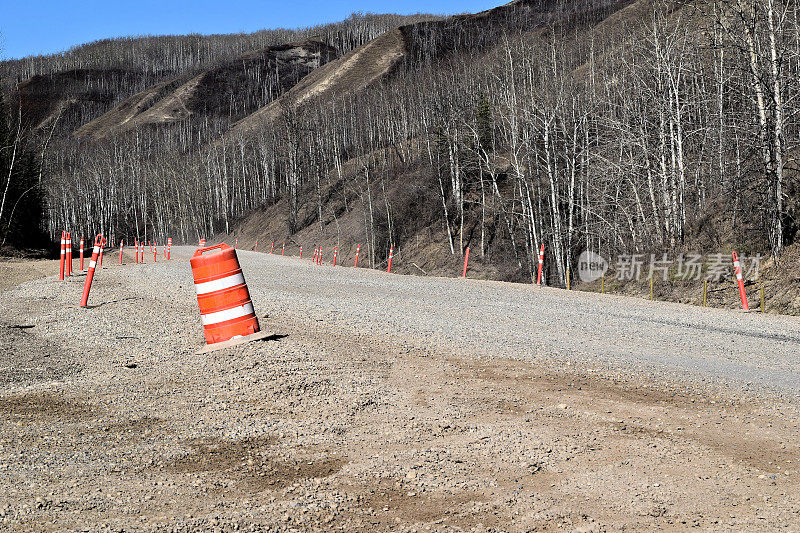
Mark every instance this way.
x=676 y=126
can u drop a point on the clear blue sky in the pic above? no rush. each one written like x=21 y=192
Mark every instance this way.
x=45 y=26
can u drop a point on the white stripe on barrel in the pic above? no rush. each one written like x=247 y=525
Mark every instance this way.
x=227 y=314
x=219 y=284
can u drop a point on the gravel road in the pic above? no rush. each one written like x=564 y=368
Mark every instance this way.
x=521 y=321
x=386 y=402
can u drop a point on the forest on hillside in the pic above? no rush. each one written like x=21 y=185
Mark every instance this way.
x=609 y=126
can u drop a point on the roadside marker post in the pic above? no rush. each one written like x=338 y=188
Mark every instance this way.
x=705 y=291
x=63 y=263
x=81 y=256
x=120 y=251
x=335 y=253
x=169 y=248
x=69 y=254
x=255 y=249
x=466 y=261
x=737 y=268
x=87 y=285
x=301 y=251
x=358 y=249
x=272 y=247
x=391 y=254
x=102 y=246
x=541 y=264
x=283 y=250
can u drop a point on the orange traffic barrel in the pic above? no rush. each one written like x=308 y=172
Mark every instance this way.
x=225 y=307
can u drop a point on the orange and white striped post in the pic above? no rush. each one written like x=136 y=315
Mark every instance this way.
x=63 y=262
x=202 y=243
x=69 y=254
x=737 y=268
x=102 y=246
x=358 y=249
x=314 y=257
x=87 y=285
x=81 y=256
x=155 y=252
x=169 y=248
x=120 y=251
x=541 y=264
x=301 y=251
x=466 y=261
x=319 y=256
x=255 y=249
x=235 y=243
x=335 y=253
x=391 y=254
x=272 y=248
x=283 y=250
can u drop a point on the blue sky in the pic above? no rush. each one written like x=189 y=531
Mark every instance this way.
x=37 y=26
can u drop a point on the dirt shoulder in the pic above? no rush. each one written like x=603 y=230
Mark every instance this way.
x=16 y=271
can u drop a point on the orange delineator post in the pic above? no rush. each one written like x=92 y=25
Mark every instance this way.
x=541 y=264
x=155 y=252
x=255 y=249
x=737 y=268
x=301 y=251
x=335 y=253
x=236 y=243
x=358 y=249
x=68 y=256
x=272 y=248
x=102 y=246
x=391 y=254
x=283 y=250
x=81 y=256
x=120 y=251
x=466 y=260
x=87 y=285
x=63 y=262
x=319 y=256
x=226 y=310
x=169 y=248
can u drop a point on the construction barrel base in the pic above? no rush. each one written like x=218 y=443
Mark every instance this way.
x=233 y=342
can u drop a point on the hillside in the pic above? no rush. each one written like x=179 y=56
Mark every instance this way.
x=617 y=126
x=232 y=88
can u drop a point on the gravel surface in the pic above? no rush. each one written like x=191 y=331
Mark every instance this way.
x=386 y=402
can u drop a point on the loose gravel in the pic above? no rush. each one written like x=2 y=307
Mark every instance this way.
x=387 y=402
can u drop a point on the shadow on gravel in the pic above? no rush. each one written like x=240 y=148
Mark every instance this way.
x=274 y=337
x=114 y=302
